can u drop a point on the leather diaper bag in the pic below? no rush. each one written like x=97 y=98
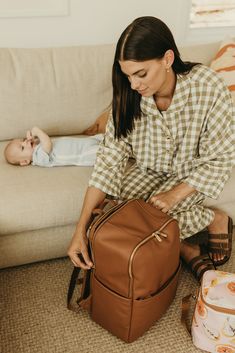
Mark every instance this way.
x=135 y=249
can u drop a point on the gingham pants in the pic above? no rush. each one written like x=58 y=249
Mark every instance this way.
x=191 y=215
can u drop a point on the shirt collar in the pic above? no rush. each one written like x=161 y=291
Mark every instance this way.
x=179 y=100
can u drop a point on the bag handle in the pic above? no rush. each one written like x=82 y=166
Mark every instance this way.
x=100 y=211
x=185 y=306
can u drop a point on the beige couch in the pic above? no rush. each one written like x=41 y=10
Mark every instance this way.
x=62 y=90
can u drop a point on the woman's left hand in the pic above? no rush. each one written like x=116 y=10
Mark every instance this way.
x=164 y=201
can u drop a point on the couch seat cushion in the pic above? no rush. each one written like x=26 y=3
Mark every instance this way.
x=34 y=198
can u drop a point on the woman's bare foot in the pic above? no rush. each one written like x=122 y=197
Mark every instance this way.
x=219 y=225
x=189 y=251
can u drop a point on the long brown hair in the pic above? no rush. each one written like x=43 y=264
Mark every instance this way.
x=146 y=38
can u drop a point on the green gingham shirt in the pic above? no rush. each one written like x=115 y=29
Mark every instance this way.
x=194 y=139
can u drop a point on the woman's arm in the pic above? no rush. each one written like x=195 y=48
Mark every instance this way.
x=106 y=178
x=78 y=244
x=99 y=125
x=216 y=147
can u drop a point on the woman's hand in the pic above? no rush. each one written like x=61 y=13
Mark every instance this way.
x=78 y=251
x=164 y=201
x=99 y=125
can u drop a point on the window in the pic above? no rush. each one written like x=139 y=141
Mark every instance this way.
x=212 y=13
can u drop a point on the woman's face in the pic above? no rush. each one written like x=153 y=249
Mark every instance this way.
x=146 y=77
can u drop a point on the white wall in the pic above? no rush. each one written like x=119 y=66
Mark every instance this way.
x=97 y=22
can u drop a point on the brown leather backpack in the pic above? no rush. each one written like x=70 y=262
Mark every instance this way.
x=135 y=249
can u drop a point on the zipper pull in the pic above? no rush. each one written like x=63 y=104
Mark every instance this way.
x=157 y=235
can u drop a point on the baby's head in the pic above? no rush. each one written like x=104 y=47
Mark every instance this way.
x=19 y=152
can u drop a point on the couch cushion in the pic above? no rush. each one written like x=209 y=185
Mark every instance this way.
x=35 y=198
x=226 y=200
x=202 y=53
x=35 y=245
x=62 y=90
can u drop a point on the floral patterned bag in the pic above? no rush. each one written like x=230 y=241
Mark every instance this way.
x=213 y=324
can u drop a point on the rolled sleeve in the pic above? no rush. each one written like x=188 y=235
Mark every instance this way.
x=40 y=157
x=216 y=149
x=111 y=161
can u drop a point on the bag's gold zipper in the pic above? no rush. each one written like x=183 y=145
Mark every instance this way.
x=106 y=214
x=155 y=234
x=217 y=308
x=98 y=223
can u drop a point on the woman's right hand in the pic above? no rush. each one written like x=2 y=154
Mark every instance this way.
x=78 y=250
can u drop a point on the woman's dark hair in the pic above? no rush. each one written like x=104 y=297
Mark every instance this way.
x=146 y=38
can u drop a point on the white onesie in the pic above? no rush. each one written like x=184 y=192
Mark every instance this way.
x=68 y=151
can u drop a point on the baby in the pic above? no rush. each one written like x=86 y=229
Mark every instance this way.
x=39 y=149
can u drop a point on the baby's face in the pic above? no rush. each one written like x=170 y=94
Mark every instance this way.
x=23 y=150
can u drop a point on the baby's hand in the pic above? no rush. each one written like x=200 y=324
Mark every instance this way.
x=35 y=131
x=29 y=136
x=32 y=136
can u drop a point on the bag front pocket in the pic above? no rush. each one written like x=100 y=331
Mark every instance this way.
x=110 y=310
x=147 y=311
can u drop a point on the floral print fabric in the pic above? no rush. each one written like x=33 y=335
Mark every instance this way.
x=213 y=326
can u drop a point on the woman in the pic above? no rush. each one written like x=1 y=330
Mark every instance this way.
x=176 y=119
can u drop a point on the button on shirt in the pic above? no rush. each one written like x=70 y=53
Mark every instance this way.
x=193 y=140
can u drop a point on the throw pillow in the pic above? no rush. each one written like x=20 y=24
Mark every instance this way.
x=224 y=64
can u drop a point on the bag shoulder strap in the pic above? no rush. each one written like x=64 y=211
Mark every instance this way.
x=185 y=308
x=72 y=285
x=84 y=299
x=85 y=281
